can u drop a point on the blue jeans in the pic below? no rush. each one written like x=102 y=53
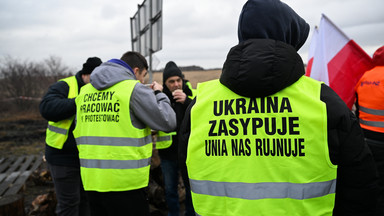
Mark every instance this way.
x=170 y=170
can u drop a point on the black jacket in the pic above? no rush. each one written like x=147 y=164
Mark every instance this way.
x=179 y=108
x=261 y=67
x=56 y=106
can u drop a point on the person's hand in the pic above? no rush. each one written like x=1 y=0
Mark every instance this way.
x=156 y=86
x=179 y=96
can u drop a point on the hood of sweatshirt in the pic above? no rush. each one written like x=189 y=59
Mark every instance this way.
x=109 y=73
x=261 y=67
x=272 y=19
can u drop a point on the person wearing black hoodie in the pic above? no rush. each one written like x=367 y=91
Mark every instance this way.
x=266 y=140
x=59 y=108
x=178 y=92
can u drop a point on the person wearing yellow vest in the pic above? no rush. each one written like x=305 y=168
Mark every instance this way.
x=59 y=108
x=266 y=140
x=115 y=115
x=370 y=111
x=179 y=93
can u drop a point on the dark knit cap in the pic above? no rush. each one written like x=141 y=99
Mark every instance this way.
x=170 y=70
x=272 y=19
x=91 y=64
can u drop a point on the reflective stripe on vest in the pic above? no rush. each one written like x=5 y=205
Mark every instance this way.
x=370 y=96
x=260 y=156
x=265 y=190
x=115 y=164
x=192 y=90
x=114 y=155
x=372 y=112
x=57 y=129
x=114 y=141
x=57 y=132
x=164 y=140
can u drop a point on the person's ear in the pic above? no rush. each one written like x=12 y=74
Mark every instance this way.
x=136 y=71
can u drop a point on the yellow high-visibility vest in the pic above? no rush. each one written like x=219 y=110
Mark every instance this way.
x=192 y=90
x=57 y=132
x=164 y=140
x=114 y=155
x=260 y=156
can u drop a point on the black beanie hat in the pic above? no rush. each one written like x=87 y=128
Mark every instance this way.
x=170 y=70
x=91 y=64
x=272 y=19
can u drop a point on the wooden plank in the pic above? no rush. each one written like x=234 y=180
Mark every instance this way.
x=37 y=162
x=33 y=163
x=2 y=177
x=18 y=184
x=27 y=163
x=4 y=166
x=15 y=165
x=16 y=173
x=8 y=182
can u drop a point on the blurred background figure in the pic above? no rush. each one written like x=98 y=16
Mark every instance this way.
x=179 y=93
x=370 y=111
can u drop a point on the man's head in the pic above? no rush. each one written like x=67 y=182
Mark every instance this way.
x=138 y=64
x=272 y=19
x=172 y=76
x=88 y=67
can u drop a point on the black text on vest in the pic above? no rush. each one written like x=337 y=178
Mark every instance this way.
x=263 y=127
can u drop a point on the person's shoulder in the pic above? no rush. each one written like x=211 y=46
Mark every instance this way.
x=60 y=85
x=139 y=87
x=328 y=95
x=337 y=111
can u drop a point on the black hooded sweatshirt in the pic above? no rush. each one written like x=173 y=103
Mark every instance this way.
x=263 y=65
x=179 y=108
x=55 y=106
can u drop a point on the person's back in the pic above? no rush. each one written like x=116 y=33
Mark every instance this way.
x=370 y=98
x=370 y=110
x=59 y=108
x=261 y=152
x=264 y=139
x=115 y=115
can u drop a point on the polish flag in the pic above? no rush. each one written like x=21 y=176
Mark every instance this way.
x=337 y=60
x=311 y=52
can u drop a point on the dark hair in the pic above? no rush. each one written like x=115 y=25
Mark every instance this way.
x=135 y=59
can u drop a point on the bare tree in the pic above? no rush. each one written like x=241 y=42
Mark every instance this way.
x=23 y=81
x=55 y=68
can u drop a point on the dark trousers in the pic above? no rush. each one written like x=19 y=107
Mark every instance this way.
x=70 y=195
x=377 y=148
x=170 y=170
x=124 y=203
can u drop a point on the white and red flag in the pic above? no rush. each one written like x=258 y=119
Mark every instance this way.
x=337 y=60
x=311 y=52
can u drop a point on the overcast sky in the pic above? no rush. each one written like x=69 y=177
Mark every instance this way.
x=197 y=32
